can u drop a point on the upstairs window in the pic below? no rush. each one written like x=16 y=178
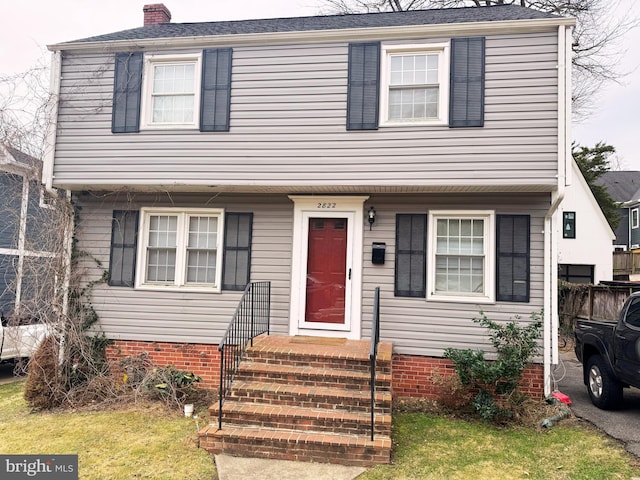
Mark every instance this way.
x=415 y=84
x=172 y=86
x=173 y=94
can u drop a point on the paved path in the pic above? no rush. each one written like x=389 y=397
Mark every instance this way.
x=622 y=424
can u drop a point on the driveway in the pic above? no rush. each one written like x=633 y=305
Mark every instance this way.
x=622 y=424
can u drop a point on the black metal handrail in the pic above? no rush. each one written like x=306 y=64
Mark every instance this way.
x=250 y=319
x=373 y=353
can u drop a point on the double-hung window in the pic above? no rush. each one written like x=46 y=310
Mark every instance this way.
x=180 y=249
x=415 y=84
x=172 y=86
x=461 y=249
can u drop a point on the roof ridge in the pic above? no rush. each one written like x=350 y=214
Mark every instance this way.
x=432 y=16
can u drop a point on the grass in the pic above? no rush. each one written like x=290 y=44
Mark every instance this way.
x=433 y=447
x=147 y=442
x=142 y=442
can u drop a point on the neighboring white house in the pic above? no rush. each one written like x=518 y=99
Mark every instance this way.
x=584 y=245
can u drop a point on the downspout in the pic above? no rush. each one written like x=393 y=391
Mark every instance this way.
x=550 y=335
x=50 y=140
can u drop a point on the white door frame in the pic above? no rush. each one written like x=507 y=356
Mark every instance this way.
x=306 y=207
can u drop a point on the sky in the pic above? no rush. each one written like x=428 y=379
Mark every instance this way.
x=26 y=27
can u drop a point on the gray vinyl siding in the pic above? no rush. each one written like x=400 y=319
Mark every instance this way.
x=127 y=313
x=424 y=327
x=635 y=232
x=10 y=203
x=288 y=127
x=622 y=232
x=414 y=325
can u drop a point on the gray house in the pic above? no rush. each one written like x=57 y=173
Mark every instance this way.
x=423 y=152
x=624 y=188
x=21 y=198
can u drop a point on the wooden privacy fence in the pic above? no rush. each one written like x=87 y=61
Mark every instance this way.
x=593 y=302
x=625 y=264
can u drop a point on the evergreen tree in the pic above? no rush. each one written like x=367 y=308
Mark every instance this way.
x=593 y=163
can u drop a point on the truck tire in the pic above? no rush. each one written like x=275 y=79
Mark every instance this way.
x=604 y=390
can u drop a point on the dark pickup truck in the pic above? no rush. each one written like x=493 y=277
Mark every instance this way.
x=610 y=354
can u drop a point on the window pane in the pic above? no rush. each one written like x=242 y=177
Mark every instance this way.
x=163 y=230
x=432 y=69
x=413 y=103
x=173 y=79
x=161 y=265
x=173 y=109
x=396 y=70
x=459 y=255
x=414 y=69
x=201 y=249
x=201 y=266
x=173 y=93
x=203 y=232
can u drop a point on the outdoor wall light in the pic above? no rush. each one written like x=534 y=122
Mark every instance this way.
x=371 y=215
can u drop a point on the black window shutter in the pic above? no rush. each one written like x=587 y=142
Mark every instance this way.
x=215 y=99
x=124 y=242
x=513 y=257
x=411 y=248
x=127 y=88
x=363 y=88
x=237 y=250
x=466 y=103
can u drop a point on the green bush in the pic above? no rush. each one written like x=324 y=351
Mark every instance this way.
x=495 y=382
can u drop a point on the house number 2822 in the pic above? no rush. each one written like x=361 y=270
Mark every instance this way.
x=326 y=205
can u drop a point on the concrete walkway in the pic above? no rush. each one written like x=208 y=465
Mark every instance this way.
x=238 y=468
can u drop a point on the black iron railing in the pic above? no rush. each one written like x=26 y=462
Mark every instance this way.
x=373 y=353
x=250 y=320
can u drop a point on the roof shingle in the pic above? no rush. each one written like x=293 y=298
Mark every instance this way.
x=329 y=22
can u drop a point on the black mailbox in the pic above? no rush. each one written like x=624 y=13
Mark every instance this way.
x=377 y=253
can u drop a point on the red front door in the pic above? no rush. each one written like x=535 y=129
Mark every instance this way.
x=326 y=270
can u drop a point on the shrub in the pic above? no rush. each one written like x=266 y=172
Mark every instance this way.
x=495 y=382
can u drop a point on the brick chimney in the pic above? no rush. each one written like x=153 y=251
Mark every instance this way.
x=155 y=14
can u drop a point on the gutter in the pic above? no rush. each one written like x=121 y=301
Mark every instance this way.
x=50 y=143
x=550 y=333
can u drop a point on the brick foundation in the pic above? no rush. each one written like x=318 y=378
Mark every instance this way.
x=201 y=359
x=412 y=375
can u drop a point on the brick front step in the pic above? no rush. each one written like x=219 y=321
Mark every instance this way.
x=351 y=355
x=310 y=396
x=303 y=419
x=310 y=376
x=305 y=398
x=295 y=445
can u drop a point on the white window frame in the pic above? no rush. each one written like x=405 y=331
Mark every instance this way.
x=488 y=296
x=388 y=50
x=150 y=61
x=180 y=282
x=635 y=218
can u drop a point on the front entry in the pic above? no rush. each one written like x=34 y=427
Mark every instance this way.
x=326 y=270
x=327 y=266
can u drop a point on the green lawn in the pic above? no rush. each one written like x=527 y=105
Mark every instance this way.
x=146 y=442
x=432 y=447
x=143 y=442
